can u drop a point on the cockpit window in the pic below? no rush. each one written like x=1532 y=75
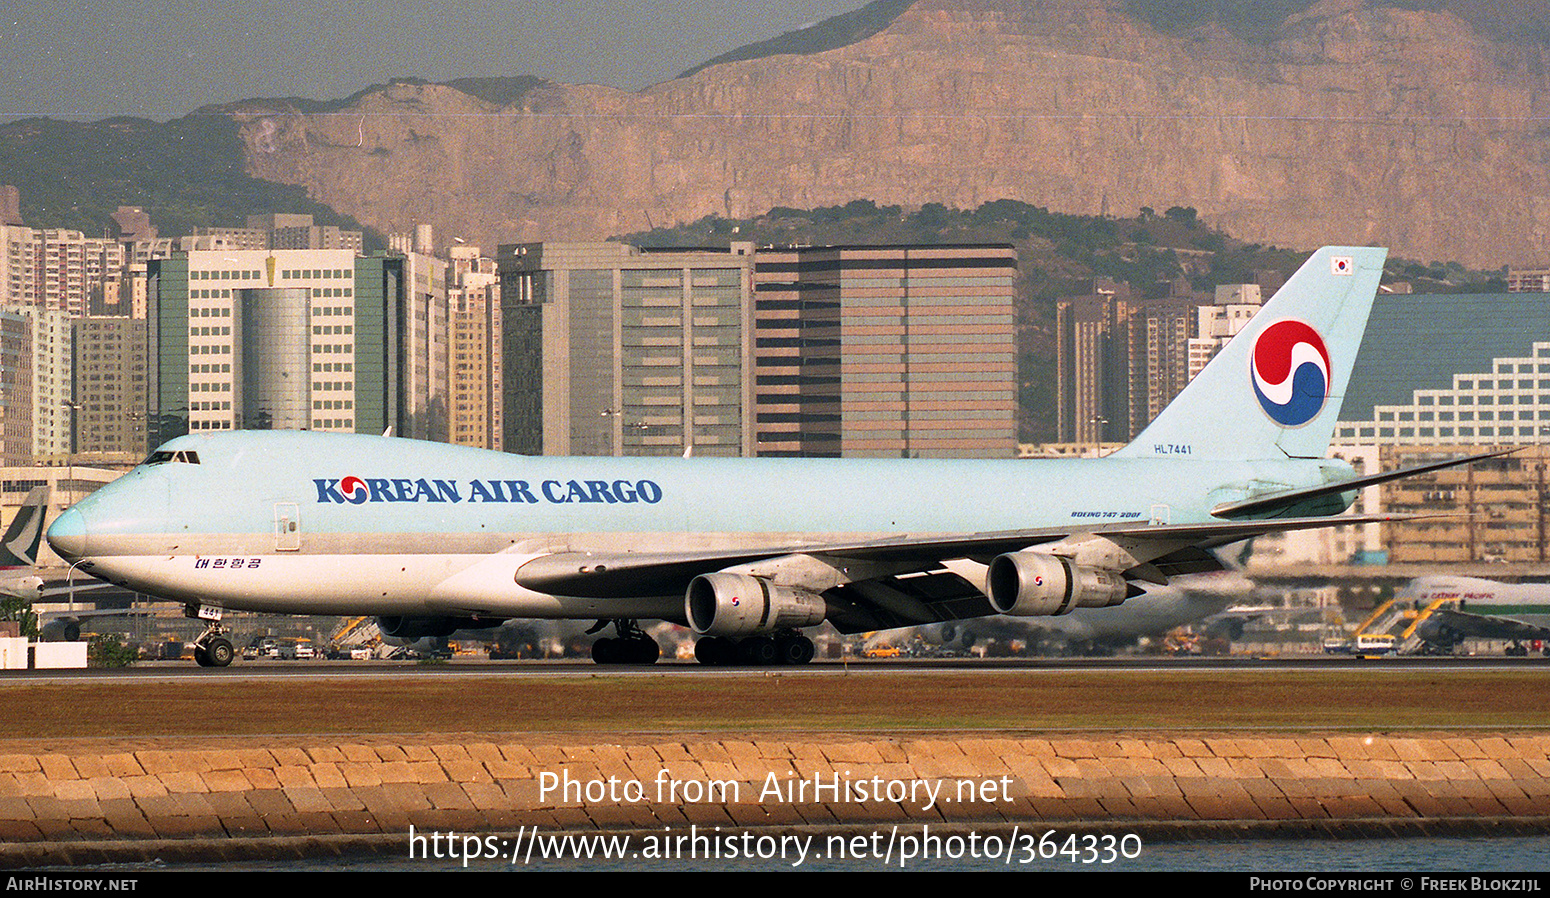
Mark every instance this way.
x=162 y=456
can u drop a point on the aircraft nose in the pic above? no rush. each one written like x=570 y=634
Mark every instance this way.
x=68 y=535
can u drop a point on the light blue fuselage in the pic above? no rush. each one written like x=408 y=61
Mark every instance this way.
x=281 y=520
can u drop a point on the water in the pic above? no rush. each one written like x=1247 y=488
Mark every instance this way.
x=1401 y=856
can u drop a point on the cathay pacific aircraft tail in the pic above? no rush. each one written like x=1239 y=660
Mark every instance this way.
x=747 y=552
x=19 y=548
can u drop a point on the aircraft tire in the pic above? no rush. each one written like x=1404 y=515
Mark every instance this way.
x=759 y=651
x=794 y=650
x=711 y=651
x=644 y=651
x=605 y=651
x=201 y=656
x=220 y=653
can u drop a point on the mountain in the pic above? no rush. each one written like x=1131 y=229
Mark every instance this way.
x=1281 y=123
x=188 y=173
x=1415 y=124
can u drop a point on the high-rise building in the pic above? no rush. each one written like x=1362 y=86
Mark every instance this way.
x=10 y=205
x=1158 y=333
x=73 y=268
x=885 y=351
x=18 y=265
x=1121 y=359
x=1219 y=322
x=131 y=224
x=474 y=386
x=613 y=350
x=1502 y=512
x=53 y=389
x=314 y=339
x=111 y=361
x=15 y=389
x=1093 y=368
x=278 y=230
x=423 y=349
x=1456 y=369
x=892 y=351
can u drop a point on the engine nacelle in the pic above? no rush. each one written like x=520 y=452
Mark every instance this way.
x=400 y=627
x=739 y=605
x=1027 y=584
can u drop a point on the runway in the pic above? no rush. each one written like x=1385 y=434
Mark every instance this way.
x=185 y=670
x=171 y=699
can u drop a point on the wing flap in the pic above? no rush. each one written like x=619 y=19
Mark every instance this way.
x=883 y=604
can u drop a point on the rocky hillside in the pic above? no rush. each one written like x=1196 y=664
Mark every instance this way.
x=1342 y=123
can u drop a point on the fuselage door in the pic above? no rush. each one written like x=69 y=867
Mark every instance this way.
x=287 y=527
x=1159 y=516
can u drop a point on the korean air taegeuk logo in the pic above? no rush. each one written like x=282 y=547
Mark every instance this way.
x=1290 y=371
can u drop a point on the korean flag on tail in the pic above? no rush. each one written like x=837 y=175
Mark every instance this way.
x=1341 y=265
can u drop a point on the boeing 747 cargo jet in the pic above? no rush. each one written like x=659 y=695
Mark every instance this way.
x=746 y=552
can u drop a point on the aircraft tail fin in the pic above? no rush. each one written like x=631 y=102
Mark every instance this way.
x=19 y=546
x=1276 y=388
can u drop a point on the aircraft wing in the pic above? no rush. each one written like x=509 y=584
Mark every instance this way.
x=1481 y=626
x=897 y=581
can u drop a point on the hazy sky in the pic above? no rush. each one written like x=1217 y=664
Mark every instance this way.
x=164 y=58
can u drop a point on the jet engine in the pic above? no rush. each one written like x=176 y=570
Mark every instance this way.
x=1026 y=584
x=61 y=629
x=739 y=605
x=420 y=627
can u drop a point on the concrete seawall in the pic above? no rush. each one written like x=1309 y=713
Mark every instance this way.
x=92 y=800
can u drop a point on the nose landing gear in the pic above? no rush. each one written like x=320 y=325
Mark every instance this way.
x=211 y=648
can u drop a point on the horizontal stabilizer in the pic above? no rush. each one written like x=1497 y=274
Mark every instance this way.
x=1283 y=501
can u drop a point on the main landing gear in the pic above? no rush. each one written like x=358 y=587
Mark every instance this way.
x=632 y=646
x=211 y=648
x=785 y=647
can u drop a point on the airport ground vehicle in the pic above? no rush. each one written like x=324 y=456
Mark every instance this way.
x=1374 y=643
